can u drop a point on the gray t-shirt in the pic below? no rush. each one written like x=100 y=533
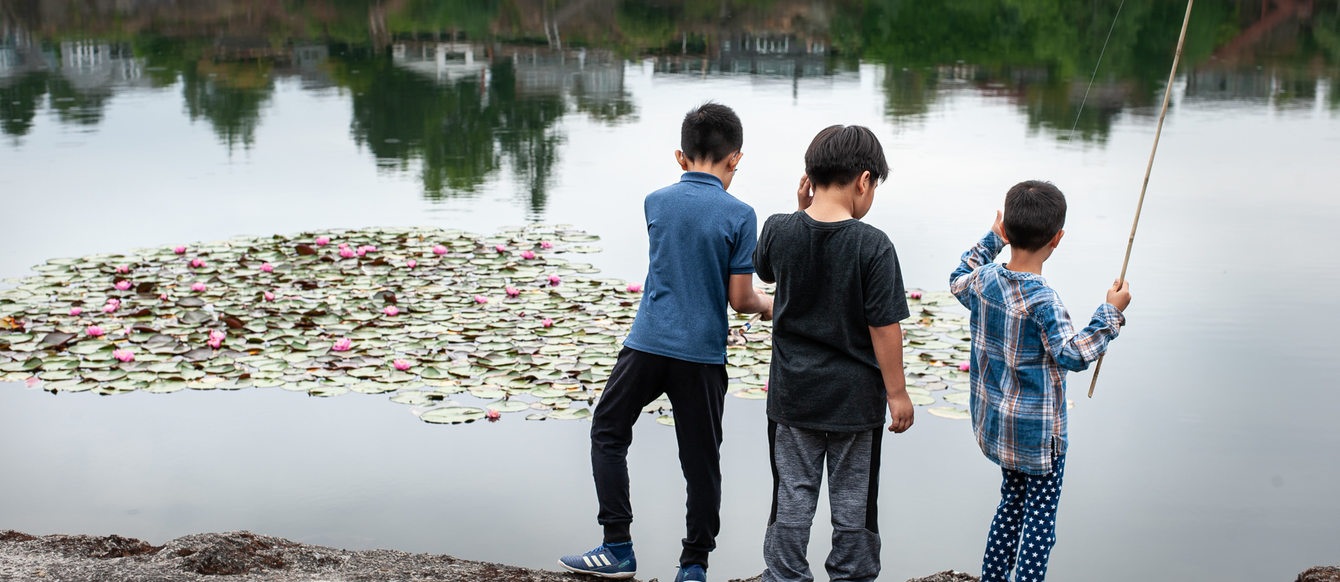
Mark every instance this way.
x=835 y=280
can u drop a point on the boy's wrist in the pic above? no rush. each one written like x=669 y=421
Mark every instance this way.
x=993 y=242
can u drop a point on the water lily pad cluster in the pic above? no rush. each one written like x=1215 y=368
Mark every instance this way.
x=460 y=326
x=935 y=354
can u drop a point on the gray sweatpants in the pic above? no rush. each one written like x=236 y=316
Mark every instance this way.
x=798 y=457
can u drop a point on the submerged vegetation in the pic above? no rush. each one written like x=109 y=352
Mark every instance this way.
x=460 y=326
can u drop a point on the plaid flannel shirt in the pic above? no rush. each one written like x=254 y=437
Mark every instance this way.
x=1022 y=345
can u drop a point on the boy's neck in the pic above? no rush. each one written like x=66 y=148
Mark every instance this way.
x=1028 y=261
x=724 y=170
x=833 y=203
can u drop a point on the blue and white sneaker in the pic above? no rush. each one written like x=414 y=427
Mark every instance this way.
x=691 y=573
x=603 y=562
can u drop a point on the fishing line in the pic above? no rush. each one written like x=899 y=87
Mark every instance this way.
x=1071 y=136
x=1167 y=95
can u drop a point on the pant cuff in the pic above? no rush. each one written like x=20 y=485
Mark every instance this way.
x=617 y=533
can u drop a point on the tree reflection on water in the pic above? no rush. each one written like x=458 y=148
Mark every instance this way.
x=459 y=91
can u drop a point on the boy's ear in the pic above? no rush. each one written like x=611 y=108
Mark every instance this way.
x=683 y=161
x=734 y=161
x=1056 y=240
x=865 y=183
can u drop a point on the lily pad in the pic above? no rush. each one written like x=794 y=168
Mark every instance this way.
x=571 y=414
x=949 y=412
x=452 y=415
x=959 y=398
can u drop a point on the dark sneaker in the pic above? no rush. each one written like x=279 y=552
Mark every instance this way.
x=601 y=562
x=691 y=573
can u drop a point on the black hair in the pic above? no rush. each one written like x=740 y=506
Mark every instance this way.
x=710 y=132
x=1034 y=213
x=838 y=154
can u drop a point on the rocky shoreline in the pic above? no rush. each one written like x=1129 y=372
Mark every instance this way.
x=246 y=557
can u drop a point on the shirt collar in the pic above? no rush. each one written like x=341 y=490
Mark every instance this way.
x=703 y=178
x=1017 y=275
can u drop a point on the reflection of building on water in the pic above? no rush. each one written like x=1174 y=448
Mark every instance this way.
x=442 y=62
x=86 y=64
x=94 y=65
x=1278 y=87
x=594 y=77
x=763 y=54
x=91 y=65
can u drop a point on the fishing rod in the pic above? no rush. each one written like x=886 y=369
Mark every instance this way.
x=1130 y=242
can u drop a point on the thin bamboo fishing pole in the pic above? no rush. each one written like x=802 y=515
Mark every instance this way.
x=1167 y=95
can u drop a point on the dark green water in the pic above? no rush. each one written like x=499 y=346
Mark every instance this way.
x=1209 y=452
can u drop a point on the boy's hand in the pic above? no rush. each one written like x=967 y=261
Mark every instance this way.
x=1119 y=295
x=998 y=227
x=804 y=194
x=900 y=412
x=767 y=299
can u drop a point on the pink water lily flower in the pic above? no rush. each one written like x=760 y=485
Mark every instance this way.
x=555 y=280
x=439 y=250
x=217 y=334
x=492 y=415
x=268 y=296
x=500 y=248
x=197 y=263
x=481 y=299
x=162 y=296
x=528 y=255
x=216 y=344
x=391 y=310
x=322 y=241
x=123 y=269
x=112 y=305
x=544 y=244
x=914 y=295
x=123 y=284
x=267 y=268
x=964 y=367
x=401 y=365
x=634 y=288
x=361 y=251
x=179 y=250
x=342 y=345
x=94 y=331
x=75 y=311
x=546 y=322
x=198 y=286
x=347 y=252
x=411 y=263
x=512 y=291
x=124 y=355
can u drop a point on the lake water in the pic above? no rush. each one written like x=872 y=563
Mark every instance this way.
x=1210 y=451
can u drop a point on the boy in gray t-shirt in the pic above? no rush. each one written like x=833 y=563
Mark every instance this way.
x=837 y=357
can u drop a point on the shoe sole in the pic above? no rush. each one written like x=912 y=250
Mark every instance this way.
x=614 y=576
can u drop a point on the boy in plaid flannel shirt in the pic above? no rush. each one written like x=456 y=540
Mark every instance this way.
x=1022 y=345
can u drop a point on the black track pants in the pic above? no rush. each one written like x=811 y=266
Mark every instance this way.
x=697 y=393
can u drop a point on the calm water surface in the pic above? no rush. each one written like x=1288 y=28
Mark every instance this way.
x=1209 y=452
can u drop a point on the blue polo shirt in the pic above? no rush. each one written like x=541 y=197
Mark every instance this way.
x=699 y=236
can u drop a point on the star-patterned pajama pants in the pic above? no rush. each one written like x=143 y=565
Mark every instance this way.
x=1024 y=529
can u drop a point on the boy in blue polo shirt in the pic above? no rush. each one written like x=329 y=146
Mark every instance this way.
x=1022 y=345
x=701 y=247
